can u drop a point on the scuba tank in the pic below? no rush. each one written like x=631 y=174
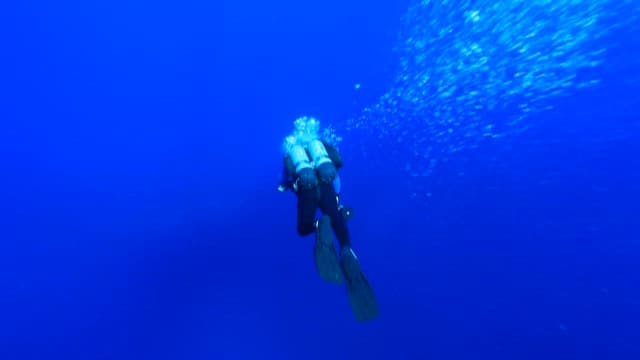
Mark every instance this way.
x=303 y=166
x=318 y=153
x=321 y=161
x=299 y=158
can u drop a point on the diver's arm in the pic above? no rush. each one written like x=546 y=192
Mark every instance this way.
x=334 y=154
x=337 y=185
x=286 y=183
x=346 y=211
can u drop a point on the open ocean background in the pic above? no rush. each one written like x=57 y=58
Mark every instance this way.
x=491 y=154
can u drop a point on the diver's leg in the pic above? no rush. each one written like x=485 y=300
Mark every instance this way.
x=307 y=206
x=324 y=253
x=329 y=206
x=361 y=296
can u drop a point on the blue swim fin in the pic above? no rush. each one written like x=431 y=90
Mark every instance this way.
x=362 y=298
x=324 y=252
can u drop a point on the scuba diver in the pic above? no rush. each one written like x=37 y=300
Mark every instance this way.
x=311 y=167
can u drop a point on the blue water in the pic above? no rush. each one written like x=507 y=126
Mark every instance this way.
x=491 y=155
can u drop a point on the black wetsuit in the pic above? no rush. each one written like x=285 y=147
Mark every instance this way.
x=323 y=197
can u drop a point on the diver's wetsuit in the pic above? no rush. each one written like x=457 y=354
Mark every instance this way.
x=311 y=171
x=323 y=196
